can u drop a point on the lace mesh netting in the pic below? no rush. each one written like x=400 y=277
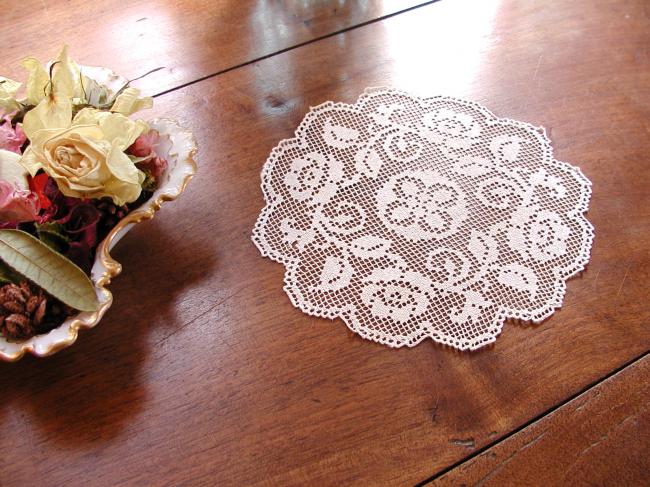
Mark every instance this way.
x=411 y=218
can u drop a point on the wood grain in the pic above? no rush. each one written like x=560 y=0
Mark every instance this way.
x=601 y=437
x=203 y=373
x=190 y=39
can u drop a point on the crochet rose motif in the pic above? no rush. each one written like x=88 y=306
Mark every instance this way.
x=411 y=218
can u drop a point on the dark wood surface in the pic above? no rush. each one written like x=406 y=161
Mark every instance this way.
x=601 y=437
x=203 y=373
x=189 y=39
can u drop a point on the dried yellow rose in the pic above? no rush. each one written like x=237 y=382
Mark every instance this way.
x=86 y=155
x=52 y=97
x=69 y=82
x=65 y=81
x=128 y=102
x=8 y=89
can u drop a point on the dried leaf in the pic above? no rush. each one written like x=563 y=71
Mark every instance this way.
x=53 y=235
x=7 y=276
x=47 y=269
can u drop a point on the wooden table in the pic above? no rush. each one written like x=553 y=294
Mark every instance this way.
x=203 y=373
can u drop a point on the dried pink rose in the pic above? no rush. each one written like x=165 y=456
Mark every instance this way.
x=144 y=144
x=17 y=205
x=11 y=139
x=156 y=166
x=148 y=146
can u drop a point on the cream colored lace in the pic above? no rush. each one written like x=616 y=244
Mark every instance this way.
x=411 y=218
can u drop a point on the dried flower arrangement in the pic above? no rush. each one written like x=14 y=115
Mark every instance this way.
x=72 y=165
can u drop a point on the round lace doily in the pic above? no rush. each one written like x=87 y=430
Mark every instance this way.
x=411 y=218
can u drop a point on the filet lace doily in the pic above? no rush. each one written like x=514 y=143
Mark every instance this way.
x=411 y=218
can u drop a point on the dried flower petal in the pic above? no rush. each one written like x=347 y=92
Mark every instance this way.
x=17 y=205
x=11 y=138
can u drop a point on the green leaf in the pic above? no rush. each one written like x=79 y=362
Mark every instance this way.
x=47 y=269
x=7 y=276
x=53 y=235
